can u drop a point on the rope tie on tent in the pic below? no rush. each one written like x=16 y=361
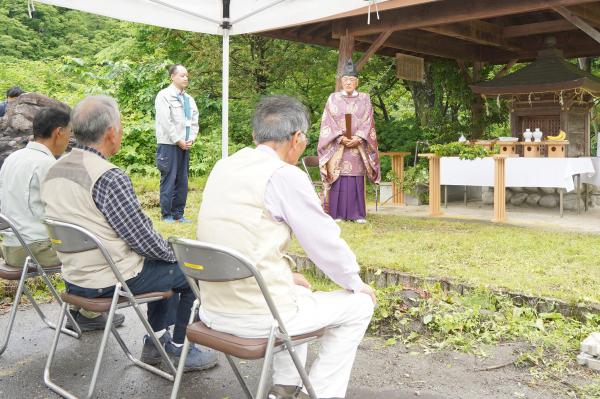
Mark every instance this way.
x=372 y=2
x=30 y=8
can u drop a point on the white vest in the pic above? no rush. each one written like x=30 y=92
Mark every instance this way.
x=67 y=193
x=233 y=214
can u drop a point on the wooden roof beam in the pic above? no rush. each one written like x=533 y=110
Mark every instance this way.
x=310 y=30
x=424 y=45
x=578 y=22
x=537 y=28
x=445 y=12
x=372 y=49
x=589 y=12
x=476 y=31
x=579 y=45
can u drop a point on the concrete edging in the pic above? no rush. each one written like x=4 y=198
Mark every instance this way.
x=384 y=278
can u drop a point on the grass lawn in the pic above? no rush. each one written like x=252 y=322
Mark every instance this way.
x=533 y=261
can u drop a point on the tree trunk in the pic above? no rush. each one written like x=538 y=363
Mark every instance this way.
x=423 y=96
x=477 y=106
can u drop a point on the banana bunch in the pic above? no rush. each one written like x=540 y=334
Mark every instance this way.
x=561 y=136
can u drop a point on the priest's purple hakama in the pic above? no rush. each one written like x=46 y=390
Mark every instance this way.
x=342 y=168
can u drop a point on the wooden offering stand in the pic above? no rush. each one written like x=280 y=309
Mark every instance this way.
x=531 y=149
x=556 y=148
x=508 y=148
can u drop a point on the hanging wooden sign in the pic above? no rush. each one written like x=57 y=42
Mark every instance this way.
x=409 y=67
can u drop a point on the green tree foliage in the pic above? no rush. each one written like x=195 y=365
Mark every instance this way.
x=54 y=32
x=68 y=54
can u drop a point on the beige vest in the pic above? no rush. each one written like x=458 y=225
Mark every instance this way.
x=233 y=214
x=67 y=193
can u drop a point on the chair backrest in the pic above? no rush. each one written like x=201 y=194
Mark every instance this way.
x=71 y=238
x=207 y=262
x=7 y=223
x=215 y=263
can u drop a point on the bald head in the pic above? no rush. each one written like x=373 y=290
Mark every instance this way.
x=93 y=116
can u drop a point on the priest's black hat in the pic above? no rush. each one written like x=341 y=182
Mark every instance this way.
x=349 y=69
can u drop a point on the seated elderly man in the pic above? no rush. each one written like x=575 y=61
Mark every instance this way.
x=20 y=178
x=253 y=202
x=84 y=188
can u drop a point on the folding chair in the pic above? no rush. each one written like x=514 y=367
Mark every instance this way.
x=71 y=238
x=31 y=268
x=208 y=262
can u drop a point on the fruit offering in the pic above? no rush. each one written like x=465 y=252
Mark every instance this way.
x=561 y=136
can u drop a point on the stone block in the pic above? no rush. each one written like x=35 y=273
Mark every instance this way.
x=531 y=190
x=517 y=189
x=508 y=195
x=533 y=199
x=570 y=202
x=591 y=361
x=547 y=190
x=487 y=197
x=591 y=345
x=549 y=201
x=518 y=199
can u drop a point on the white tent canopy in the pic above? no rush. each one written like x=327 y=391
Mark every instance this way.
x=219 y=17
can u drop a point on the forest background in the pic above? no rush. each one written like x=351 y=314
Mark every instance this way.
x=69 y=54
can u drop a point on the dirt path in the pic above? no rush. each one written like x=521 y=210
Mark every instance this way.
x=380 y=371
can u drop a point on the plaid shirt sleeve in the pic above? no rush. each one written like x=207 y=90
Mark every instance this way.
x=115 y=198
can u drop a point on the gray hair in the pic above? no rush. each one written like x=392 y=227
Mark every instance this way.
x=276 y=118
x=92 y=116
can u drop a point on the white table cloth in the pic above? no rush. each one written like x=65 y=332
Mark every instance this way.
x=520 y=172
x=595 y=177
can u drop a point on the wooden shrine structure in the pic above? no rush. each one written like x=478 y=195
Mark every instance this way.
x=551 y=94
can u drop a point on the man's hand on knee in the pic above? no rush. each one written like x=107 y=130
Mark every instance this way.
x=367 y=289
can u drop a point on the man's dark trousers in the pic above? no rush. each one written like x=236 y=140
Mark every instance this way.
x=157 y=275
x=173 y=164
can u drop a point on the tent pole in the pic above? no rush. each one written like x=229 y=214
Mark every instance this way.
x=225 y=99
x=226 y=25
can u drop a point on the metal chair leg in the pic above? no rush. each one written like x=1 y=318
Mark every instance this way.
x=47 y=380
x=137 y=361
x=50 y=324
x=300 y=367
x=239 y=377
x=153 y=337
x=77 y=333
x=266 y=368
x=107 y=329
x=13 y=310
x=184 y=352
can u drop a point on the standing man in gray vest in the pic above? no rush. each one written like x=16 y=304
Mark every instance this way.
x=176 y=130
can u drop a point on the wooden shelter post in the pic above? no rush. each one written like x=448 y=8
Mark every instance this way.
x=398 y=169
x=499 y=188
x=435 y=191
